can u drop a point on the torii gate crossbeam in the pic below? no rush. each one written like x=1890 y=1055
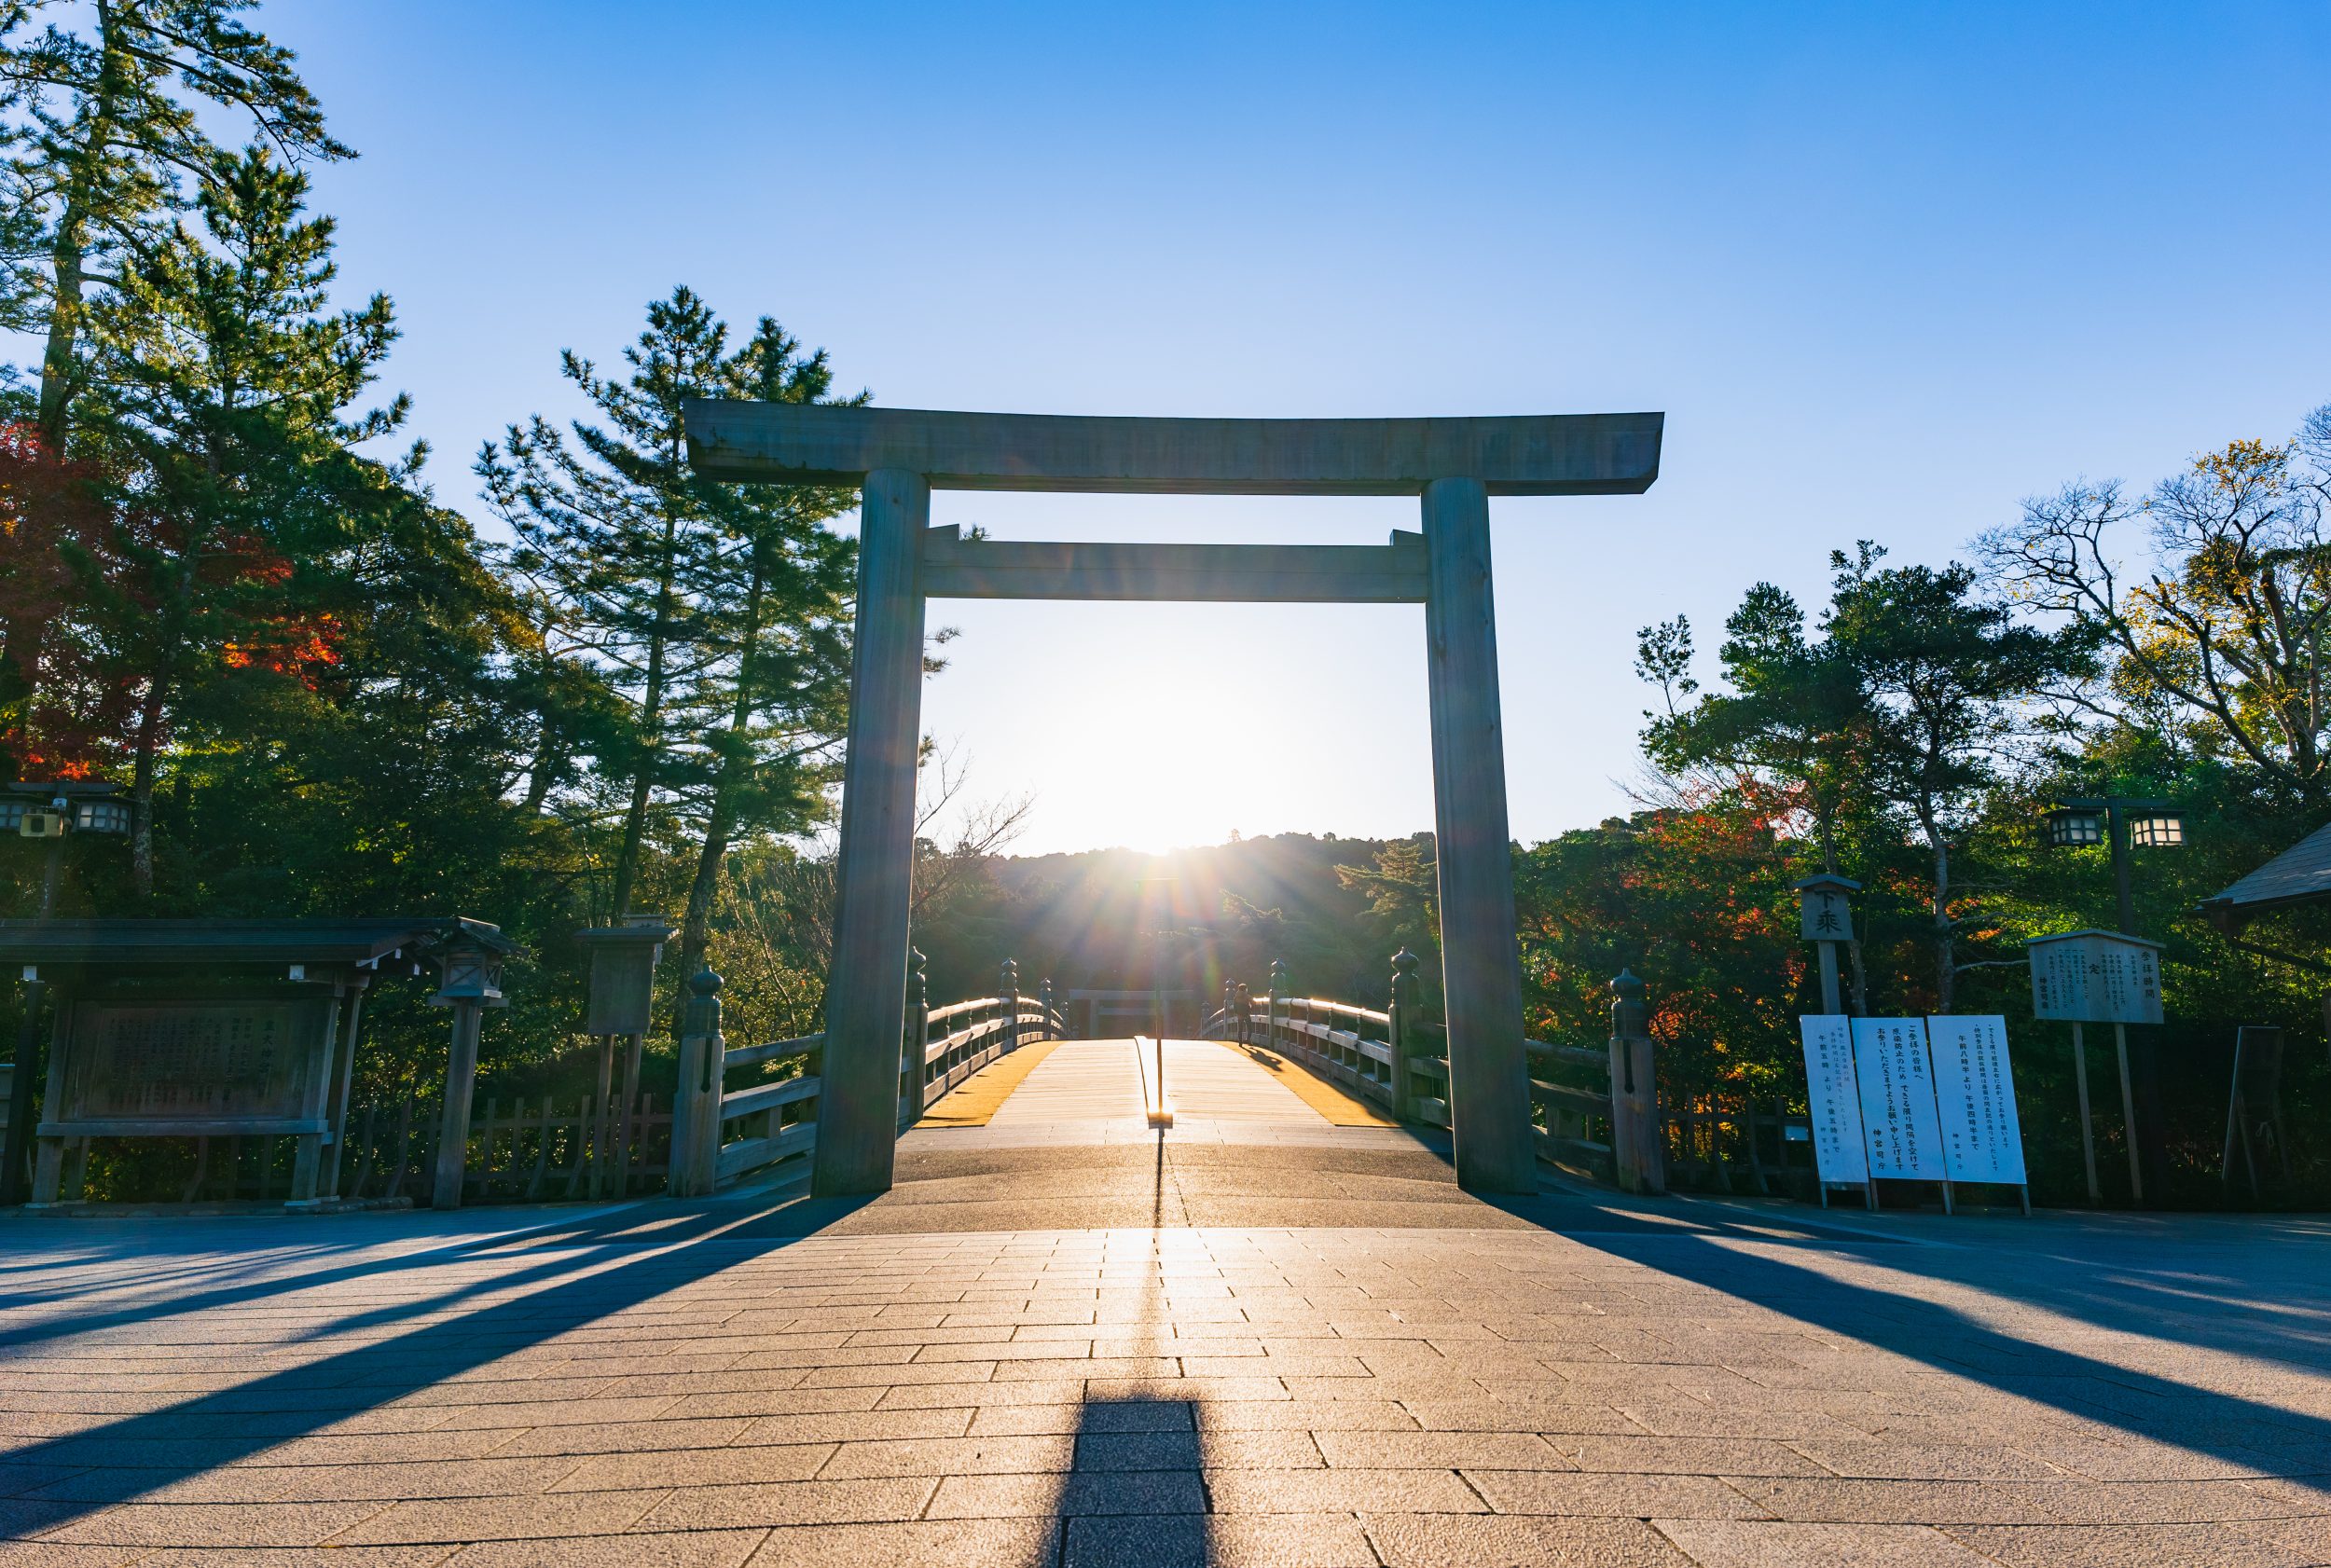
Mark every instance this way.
x=898 y=455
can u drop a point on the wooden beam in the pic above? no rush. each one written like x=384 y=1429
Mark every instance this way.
x=1532 y=454
x=1489 y=1079
x=954 y=567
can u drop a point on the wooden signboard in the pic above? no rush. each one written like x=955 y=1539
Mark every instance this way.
x=200 y=1063
x=2096 y=977
x=229 y=1059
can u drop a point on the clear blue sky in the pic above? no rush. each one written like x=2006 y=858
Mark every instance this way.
x=1887 y=267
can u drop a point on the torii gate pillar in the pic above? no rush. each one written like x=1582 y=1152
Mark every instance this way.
x=900 y=455
x=1479 y=967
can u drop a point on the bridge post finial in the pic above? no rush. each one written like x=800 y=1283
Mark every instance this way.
x=1637 y=1138
x=1402 y=1012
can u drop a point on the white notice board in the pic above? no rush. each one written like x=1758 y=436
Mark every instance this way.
x=1975 y=1091
x=1898 y=1095
x=1830 y=1096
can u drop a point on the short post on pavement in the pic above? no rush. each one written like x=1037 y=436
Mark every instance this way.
x=915 y=1039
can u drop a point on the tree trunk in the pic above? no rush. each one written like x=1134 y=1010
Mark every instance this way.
x=721 y=820
x=1946 y=957
x=142 y=789
x=651 y=715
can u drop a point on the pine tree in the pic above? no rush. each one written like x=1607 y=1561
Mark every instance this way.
x=222 y=388
x=774 y=689
x=101 y=111
x=714 y=610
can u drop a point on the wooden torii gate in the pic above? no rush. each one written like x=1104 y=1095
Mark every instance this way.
x=898 y=455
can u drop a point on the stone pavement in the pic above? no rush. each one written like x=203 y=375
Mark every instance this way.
x=1306 y=1347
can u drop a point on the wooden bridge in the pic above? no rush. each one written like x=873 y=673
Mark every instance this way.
x=1279 y=1057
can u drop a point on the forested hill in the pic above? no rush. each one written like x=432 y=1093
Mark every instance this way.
x=1088 y=918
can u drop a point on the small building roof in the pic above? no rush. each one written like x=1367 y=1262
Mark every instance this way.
x=2299 y=875
x=236 y=942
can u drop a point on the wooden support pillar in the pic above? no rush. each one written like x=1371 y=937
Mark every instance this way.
x=1489 y=1103
x=461 y=1080
x=865 y=1008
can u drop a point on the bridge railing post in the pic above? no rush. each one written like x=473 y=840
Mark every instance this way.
x=914 y=1039
x=696 y=1120
x=1050 y=1014
x=1272 y=1001
x=1008 y=999
x=1638 y=1147
x=1402 y=1012
x=1246 y=1013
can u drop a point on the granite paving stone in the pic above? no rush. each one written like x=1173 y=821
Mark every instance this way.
x=1349 y=1363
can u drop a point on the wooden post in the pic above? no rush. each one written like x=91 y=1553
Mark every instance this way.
x=1638 y=1147
x=1401 y=1009
x=1272 y=999
x=1008 y=992
x=461 y=1080
x=916 y=1037
x=323 y=1063
x=695 y=1106
x=2087 y=1124
x=341 y=1079
x=865 y=1010
x=2129 y=1116
x=1051 y=1012
x=1489 y=1101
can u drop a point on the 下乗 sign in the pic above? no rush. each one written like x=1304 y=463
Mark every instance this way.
x=1911 y=1099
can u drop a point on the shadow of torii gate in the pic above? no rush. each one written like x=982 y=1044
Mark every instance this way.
x=898 y=455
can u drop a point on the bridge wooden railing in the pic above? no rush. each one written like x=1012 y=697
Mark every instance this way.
x=719 y=1133
x=1397 y=1059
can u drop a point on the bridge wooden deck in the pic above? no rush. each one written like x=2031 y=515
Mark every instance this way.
x=1091 y=1092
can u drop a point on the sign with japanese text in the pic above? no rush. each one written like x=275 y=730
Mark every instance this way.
x=1824 y=915
x=1833 y=1101
x=191 y=1060
x=1975 y=1093
x=1897 y=1099
x=2096 y=977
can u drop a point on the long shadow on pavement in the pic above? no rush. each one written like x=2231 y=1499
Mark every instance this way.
x=119 y=1461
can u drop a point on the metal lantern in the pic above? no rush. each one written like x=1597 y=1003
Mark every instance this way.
x=102 y=817
x=473 y=974
x=2074 y=827
x=2157 y=830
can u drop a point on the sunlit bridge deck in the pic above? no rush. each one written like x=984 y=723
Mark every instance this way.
x=1259 y=1337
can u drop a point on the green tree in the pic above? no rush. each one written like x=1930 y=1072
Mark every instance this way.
x=101 y=112
x=224 y=386
x=718 y=612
